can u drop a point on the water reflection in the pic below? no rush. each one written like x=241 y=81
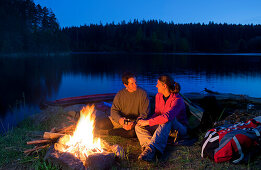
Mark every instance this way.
x=27 y=81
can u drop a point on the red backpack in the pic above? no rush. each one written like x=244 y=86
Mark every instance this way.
x=232 y=142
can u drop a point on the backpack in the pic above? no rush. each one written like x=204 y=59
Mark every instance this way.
x=232 y=142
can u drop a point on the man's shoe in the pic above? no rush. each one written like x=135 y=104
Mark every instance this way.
x=148 y=154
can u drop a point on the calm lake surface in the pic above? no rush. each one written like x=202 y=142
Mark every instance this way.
x=28 y=81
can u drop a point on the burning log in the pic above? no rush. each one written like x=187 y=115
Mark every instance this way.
x=52 y=136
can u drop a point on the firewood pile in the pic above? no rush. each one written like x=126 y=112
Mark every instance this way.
x=48 y=138
x=51 y=137
x=67 y=161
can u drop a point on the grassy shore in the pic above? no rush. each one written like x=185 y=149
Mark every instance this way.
x=13 y=144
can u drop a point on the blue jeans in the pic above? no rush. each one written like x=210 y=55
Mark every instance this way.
x=158 y=135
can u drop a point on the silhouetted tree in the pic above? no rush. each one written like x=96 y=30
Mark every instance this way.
x=26 y=27
x=159 y=36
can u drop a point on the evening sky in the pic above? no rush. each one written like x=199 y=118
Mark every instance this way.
x=86 y=12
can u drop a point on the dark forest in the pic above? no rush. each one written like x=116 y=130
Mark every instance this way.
x=26 y=27
x=29 y=28
x=159 y=36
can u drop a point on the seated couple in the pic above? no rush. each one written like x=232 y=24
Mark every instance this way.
x=130 y=115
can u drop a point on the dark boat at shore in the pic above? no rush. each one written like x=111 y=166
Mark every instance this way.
x=194 y=111
x=79 y=100
x=106 y=100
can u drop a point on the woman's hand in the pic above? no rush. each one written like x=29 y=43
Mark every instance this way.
x=143 y=122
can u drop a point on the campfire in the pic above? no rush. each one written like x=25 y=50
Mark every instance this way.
x=82 y=149
x=76 y=147
x=82 y=143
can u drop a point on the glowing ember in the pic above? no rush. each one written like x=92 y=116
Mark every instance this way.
x=82 y=143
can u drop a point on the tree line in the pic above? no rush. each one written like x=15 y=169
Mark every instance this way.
x=27 y=27
x=159 y=36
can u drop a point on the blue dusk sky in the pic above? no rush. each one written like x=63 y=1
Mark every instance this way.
x=85 y=12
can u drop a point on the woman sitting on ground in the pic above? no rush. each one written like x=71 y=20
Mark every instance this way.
x=170 y=114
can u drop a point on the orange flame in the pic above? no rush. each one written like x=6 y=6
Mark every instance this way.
x=81 y=143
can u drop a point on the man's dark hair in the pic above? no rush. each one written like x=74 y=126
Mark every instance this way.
x=125 y=77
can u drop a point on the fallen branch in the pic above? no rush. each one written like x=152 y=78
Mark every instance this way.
x=38 y=142
x=29 y=151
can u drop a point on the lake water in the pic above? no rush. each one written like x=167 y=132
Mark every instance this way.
x=28 y=81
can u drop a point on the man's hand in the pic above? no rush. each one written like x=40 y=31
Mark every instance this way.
x=129 y=126
x=143 y=122
x=121 y=121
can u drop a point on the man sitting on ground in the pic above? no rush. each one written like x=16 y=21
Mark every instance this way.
x=130 y=104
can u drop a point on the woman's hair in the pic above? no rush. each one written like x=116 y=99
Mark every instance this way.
x=172 y=86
